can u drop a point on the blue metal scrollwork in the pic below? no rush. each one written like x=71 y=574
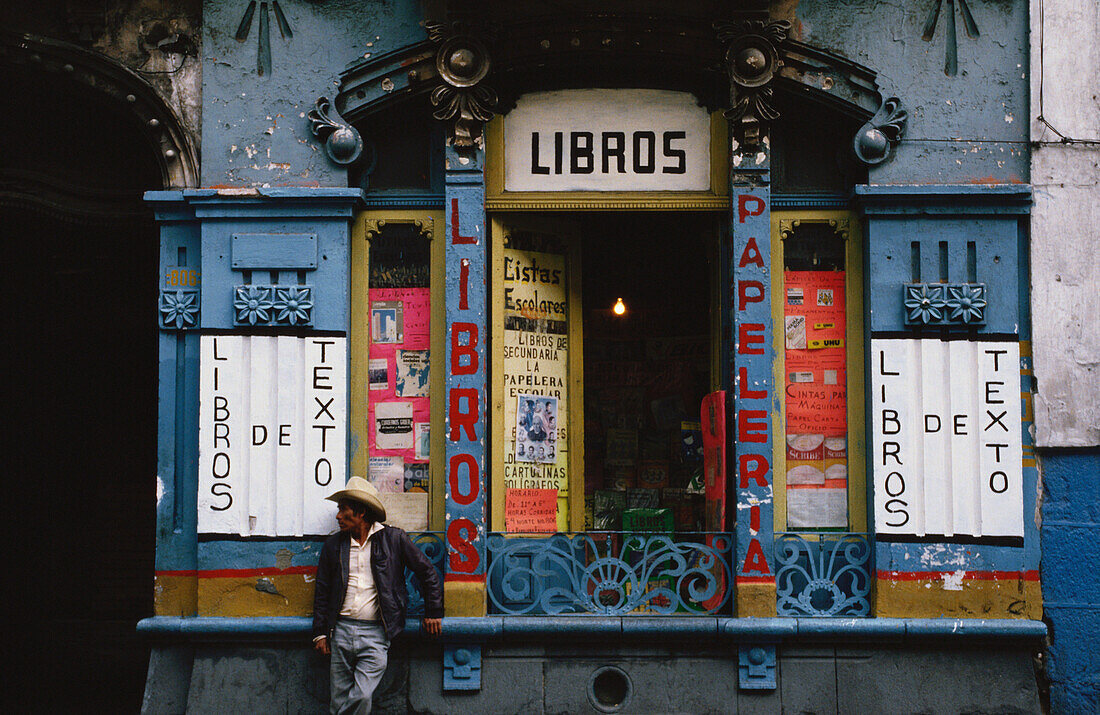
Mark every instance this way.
x=823 y=574
x=431 y=543
x=610 y=574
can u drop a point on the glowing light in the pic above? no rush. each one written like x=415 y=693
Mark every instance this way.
x=619 y=308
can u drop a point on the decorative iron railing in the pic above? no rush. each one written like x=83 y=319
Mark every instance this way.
x=823 y=574
x=610 y=573
x=434 y=547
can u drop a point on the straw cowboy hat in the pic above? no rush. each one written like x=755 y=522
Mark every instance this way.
x=360 y=490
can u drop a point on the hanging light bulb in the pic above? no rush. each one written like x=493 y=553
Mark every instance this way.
x=618 y=308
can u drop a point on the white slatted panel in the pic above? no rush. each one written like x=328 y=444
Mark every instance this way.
x=260 y=443
x=950 y=410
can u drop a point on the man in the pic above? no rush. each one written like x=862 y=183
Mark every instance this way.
x=360 y=601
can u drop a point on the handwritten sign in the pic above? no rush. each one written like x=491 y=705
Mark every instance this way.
x=607 y=140
x=531 y=510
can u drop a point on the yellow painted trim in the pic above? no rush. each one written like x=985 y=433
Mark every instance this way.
x=464 y=599
x=974 y=598
x=755 y=600
x=175 y=595
x=853 y=289
x=238 y=596
x=716 y=199
x=575 y=367
x=496 y=373
x=365 y=223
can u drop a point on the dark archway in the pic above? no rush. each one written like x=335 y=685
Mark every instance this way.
x=81 y=251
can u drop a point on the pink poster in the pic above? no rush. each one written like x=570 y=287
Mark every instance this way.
x=398 y=409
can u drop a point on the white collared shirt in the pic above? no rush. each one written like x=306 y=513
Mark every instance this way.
x=361 y=601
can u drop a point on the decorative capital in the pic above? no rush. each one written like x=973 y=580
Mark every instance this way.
x=342 y=141
x=752 y=59
x=876 y=140
x=462 y=61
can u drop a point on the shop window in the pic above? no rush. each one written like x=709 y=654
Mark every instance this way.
x=596 y=407
x=394 y=307
x=811 y=149
x=820 y=479
x=402 y=151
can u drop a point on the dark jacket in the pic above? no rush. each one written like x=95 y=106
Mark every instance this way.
x=391 y=552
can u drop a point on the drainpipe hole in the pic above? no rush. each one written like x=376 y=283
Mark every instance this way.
x=609 y=689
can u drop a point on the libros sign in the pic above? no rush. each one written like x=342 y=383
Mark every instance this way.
x=607 y=140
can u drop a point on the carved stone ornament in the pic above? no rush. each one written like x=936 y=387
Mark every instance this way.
x=876 y=140
x=752 y=59
x=342 y=141
x=463 y=62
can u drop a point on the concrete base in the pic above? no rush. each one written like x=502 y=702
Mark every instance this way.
x=558 y=678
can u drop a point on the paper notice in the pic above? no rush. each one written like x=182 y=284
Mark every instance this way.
x=817 y=508
x=393 y=425
x=422 y=439
x=387 y=474
x=795 y=327
x=387 y=321
x=531 y=510
x=378 y=371
x=407 y=511
x=412 y=373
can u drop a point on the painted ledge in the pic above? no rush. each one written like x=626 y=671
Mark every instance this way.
x=630 y=627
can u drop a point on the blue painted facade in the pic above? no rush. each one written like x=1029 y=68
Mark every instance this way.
x=949 y=204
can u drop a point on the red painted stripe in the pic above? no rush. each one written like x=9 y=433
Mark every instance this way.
x=967 y=575
x=755 y=579
x=469 y=578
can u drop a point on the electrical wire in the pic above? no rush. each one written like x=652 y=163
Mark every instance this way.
x=1063 y=139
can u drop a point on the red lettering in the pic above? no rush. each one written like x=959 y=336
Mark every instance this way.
x=755 y=560
x=472 y=471
x=743 y=210
x=743 y=297
x=754 y=518
x=748 y=336
x=464 y=284
x=459 y=351
x=463 y=556
x=743 y=392
x=758 y=472
x=751 y=255
x=464 y=420
x=455 y=237
x=752 y=426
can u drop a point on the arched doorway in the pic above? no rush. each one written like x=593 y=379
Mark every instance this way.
x=81 y=249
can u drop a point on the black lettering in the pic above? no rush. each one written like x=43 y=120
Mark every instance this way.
x=324 y=407
x=317 y=472
x=536 y=168
x=890 y=507
x=284 y=433
x=891 y=452
x=324 y=435
x=224 y=492
x=618 y=151
x=995 y=420
x=221 y=407
x=649 y=154
x=960 y=424
x=214 y=465
x=991 y=392
x=1002 y=483
x=320 y=382
x=323 y=343
x=557 y=152
x=679 y=154
x=577 y=151
x=882 y=364
x=997 y=450
x=256 y=442
x=900 y=481
x=892 y=418
x=996 y=359
x=928 y=428
x=221 y=432
x=216 y=351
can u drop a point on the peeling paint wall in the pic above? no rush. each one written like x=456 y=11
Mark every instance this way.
x=966 y=128
x=255 y=130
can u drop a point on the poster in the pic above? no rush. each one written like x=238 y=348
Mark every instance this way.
x=387 y=322
x=378 y=372
x=416 y=477
x=393 y=425
x=387 y=474
x=412 y=373
x=422 y=439
x=531 y=510
x=536 y=428
x=535 y=366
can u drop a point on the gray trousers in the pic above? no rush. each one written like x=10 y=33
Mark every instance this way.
x=360 y=650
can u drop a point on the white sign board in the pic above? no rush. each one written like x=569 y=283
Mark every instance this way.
x=272 y=433
x=946 y=452
x=607 y=140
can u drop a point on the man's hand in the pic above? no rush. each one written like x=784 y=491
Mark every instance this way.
x=321 y=645
x=433 y=626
